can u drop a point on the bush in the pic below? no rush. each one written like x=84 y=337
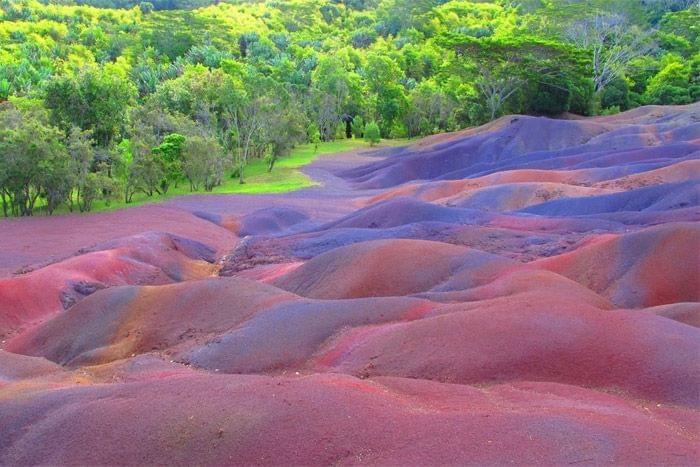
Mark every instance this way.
x=363 y=38
x=204 y=162
x=616 y=94
x=551 y=97
x=313 y=134
x=610 y=110
x=581 y=102
x=668 y=95
x=398 y=130
x=146 y=7
x=358 y=126
x=669 y=86
x=372 y=134
x=340 y=130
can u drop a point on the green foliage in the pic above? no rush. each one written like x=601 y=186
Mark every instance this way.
x=33 y=163
x=552 y=96
x=95 y=99
x=204 y=162
x=313 y=135
x=82 y=157
x=154 y=4
x=679 y=31
x=146 y=7
x=145 y=173
x=582 y=97
x=170 y=154
x=358 y=126
x=670 y=85
x=372 y=133
x=616 y=94
x=363 y=38
x=504 y=69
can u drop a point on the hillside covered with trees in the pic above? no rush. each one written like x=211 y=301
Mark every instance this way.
x=115 y=98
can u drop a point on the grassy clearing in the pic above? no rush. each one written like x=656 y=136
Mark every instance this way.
x=285 y=176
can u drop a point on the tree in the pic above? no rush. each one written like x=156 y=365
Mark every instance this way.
x=82 y=156
x=283 y=133
x=430 y=110
x=372 y=133
x=55 y=178
x=612 y=41
x=245 y=41
x=171 y=38
x=122 y=160
x=329 y=12
x=313 y=135
x=363 y=38
x=204 y=162
x=333 y=89
x=670 y=85
x=358 y=126
x=96 y=99
x=146 y=7
x=382 y=75
x=615 y=94
x=96 y=185
x=34 y=163
x=251 y=120
x=208 y=97
x=170 y=154
x=502 y=67
x=551 y=96
x=145 y=172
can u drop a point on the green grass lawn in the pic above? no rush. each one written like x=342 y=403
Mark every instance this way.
x=285 y=176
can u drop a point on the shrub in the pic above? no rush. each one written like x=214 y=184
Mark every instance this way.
x=363 y=38
x=372 y=134
x=313 y=134
x=398 y=130
x=669 y=86
x=616 y=94
x=551 y=97
x=358 y=126
x=581 y=102
x=146 y=7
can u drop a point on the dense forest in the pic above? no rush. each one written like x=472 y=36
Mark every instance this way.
x=108 y=98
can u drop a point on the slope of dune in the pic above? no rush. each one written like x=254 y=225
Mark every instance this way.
x=150 y=258
x=257 y=420
x=655 y=266
x=540 y=143
x=124 y=321
x=391 y=268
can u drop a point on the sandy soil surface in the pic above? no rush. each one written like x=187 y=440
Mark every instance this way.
x=526 y=292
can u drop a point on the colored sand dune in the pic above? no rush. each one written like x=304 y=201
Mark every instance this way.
x=525 y=292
